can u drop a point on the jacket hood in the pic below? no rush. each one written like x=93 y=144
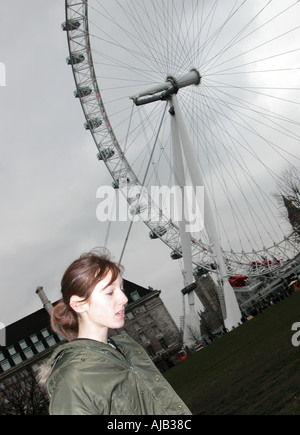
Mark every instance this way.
x=46 y=367
x=68 y=350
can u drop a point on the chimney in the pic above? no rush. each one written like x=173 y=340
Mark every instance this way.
x=47 y=304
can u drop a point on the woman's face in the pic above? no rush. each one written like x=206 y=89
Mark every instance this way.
x=106 y=306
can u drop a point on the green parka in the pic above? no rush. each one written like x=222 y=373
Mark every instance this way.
x=90 y=377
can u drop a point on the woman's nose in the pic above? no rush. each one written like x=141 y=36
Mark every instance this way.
x=123 y=297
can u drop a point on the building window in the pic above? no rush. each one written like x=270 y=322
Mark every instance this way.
x=136 y=326
x=5 y=365
x=130 y=315
x=17 y=359
x=34 y=338
x=11 y=350
x=50 y=341
x=28 y=352
x=45 y=332
x=39 y=347
x=149 y=319
x=212 y=293
x=155 y=330
x=135 y=295
x=140 y=309
x=23 y=344
x=163 y=343
x=143 y=337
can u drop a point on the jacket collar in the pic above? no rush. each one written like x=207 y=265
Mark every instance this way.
x=80 y=343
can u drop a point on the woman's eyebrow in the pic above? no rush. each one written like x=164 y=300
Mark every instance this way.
x=114 y=284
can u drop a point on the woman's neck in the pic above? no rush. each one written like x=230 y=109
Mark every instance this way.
x=93 y=333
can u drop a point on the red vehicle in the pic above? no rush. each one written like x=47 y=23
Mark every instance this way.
x=181 y=356
x=238 y=281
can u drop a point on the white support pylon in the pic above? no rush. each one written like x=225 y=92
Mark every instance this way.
x=232 y=313
x=191 y=328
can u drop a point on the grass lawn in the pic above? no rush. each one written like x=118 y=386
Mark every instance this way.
x=252 y=370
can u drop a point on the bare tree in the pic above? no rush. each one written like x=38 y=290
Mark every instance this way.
x=288 y=196
x=193 y=332
x=22 y=395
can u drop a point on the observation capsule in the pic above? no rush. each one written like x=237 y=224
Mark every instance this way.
x=82 y=92
x=75 y=58
x=199 y=271
x=70 y=25
x=175 y=255
x=105 y=154
x=157 y=232
x=116 y=184
x=92 y=123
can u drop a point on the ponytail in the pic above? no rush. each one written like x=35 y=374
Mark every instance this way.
x=64 y=321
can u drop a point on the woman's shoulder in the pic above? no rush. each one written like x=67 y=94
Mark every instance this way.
x=130 y=348
x=124 y=338
x=79 y=350
x=77 y=362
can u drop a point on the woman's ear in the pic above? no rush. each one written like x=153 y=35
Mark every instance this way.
x=78 y=304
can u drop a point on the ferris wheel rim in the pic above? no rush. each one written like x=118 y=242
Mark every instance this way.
x=121 y=168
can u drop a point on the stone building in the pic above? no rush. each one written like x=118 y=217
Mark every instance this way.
x=211 y=317
x=29 y=342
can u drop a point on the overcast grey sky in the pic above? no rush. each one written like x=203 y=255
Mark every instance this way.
x=49 y=173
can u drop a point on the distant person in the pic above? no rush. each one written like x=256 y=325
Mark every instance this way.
x=91 y=373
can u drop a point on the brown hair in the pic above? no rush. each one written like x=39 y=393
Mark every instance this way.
x=80 y=279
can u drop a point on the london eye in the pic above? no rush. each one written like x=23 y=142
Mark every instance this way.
x=229 y=74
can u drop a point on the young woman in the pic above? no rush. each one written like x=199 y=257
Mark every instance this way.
x=92 y=374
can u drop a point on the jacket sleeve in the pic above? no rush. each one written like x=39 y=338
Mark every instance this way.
x=73 y=398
